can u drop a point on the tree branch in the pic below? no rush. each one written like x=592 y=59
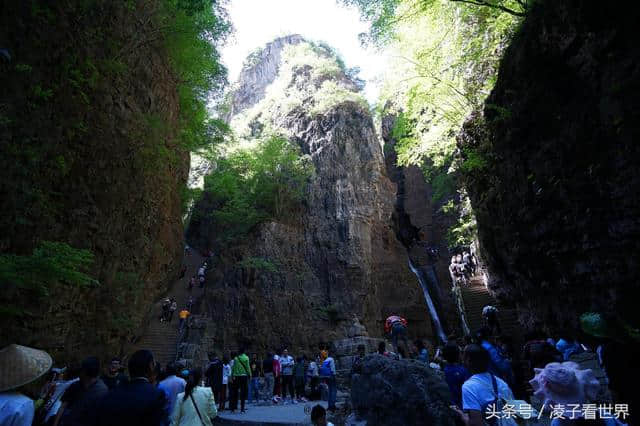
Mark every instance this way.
x=491 y=5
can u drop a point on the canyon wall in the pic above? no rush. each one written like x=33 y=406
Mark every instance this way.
x=553 y=165
x=89 y=158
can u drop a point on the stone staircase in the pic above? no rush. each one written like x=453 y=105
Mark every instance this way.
x=475 y=297
x=161 y=337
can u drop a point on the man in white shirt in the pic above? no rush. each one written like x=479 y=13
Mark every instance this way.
x=482 y=389
x=286 y=363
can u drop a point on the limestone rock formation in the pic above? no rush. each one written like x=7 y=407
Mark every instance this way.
x=339 y=255
x=556 y=192
x=389 y=392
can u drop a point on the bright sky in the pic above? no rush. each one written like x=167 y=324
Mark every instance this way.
x=257 y=22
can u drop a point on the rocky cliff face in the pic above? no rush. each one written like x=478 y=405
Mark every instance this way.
x=553 y=174
x=338 y=256
x=90 y=166
x=421 y=226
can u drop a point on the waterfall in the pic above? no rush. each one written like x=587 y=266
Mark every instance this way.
x=427 y=297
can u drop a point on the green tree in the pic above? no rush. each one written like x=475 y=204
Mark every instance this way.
x=250 y=186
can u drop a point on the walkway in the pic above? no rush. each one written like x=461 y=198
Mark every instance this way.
x=475 y=297
x=159 y=337
x=271 y=415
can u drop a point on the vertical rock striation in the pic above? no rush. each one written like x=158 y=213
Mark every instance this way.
x=557 y=200
x=338 y=256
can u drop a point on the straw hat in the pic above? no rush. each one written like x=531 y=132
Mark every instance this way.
x=20 y=365
x=564 y=383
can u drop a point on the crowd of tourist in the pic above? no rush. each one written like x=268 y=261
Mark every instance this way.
x=462 y=267
x=151 y=395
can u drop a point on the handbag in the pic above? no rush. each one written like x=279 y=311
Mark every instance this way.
x=197 y=410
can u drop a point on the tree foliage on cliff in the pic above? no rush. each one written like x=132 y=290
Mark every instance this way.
x=445 y=55
x=34 y=275
x=250 y=186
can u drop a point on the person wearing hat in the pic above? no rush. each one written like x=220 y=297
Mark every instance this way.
x=20 y=365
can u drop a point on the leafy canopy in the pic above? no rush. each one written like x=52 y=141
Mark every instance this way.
x=252 y=185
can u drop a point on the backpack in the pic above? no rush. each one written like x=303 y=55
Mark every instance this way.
x=325 y=368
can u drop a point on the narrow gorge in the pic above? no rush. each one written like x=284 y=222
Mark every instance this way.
x=432 y=159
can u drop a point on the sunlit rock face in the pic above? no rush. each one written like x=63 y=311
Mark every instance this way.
x=337 y=256
x=557 y=205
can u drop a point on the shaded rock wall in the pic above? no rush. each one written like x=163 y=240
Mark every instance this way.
x=557 y=203
x=89 y=170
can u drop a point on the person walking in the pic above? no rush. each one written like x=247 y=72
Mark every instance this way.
x=490 y=317
x=287 y=362
x=277 y=388
x=499 y=365
x=172 y=309
x=254 y=383
x=195 y=406
x=226 y=377
x=328 y=373
x=396 y=327
x=20 y=365
x=269 y=381
x=172 y=385
x=191 y=283
x=240 y=373
x=183 y=315
x=137 y=403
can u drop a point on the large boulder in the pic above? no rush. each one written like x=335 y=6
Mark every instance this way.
x=389 y=392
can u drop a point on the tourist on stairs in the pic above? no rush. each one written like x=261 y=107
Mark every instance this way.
x=490 y=317
x=396 y=327
x=19 y=366
x=482 y=390
x=269 y=381
x=172 y=309
x=195 y=406
x=226 y=377
x=454 y=373
x=137 y=403
x=80 y=399
x=172 y=385
x=183 y=315
x=240 y=374
x=287 y=363
x=114 y=376
x=498 y=364
x=328 y=374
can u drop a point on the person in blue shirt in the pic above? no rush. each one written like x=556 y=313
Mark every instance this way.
x=499 y=365
x=454 y=372
x=423 y=352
